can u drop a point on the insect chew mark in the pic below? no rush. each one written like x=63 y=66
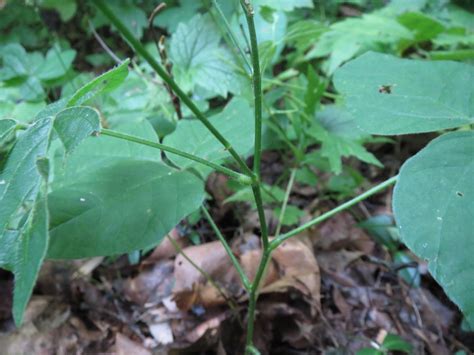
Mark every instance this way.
x=386 y=89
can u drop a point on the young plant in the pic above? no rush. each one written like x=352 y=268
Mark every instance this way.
x=115 y=194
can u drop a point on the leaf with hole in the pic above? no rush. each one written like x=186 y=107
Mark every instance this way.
x=388 y=95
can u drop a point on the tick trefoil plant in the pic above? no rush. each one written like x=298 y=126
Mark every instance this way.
x=246 y=175
x=114 y=194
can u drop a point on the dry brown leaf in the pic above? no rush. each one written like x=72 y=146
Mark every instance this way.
x=152 y=284
x=126 y=346
x=166 y=249
x=341 y=232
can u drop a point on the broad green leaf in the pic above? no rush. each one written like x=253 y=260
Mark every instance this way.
x=75 y=124
x=15 y=62
x=235 y=123
x=198 y=58
x=19 y=180
x=56 y=63
x=353 y=36
x=422 y=26
x=126 y=205
x=6 y=128
x=434 y=209
x=23 y=211
x=388 y=95
x=31 y=247
x=101 y=85
x=114 y=197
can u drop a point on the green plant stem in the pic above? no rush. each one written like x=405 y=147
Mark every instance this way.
x=140 y=49
x=257 y=84
x=244 y=179
x=253 y=297
x=285 y=201
x=235 y=262
x=280 y=239
x=257 y=194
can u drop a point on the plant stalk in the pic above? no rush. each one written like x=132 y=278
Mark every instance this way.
x=380 y=187
x=235 y=262
x=243 y=179
x=257 y=84
x=140 y=49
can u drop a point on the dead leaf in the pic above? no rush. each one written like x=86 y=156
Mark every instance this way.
x=152 y=284
x=125 y=346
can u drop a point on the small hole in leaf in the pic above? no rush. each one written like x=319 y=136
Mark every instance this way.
x=385 y=89
x=460 y=194
x=180 y=263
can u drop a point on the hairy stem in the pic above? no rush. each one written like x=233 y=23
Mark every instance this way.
x=244 y=179
x=380 y=187
x=257 y=84
x=140 y=49
x=235 y=262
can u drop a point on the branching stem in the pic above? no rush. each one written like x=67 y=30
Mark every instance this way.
x=140 y=49
x=244 y=179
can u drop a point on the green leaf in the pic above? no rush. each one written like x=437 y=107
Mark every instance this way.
x=114 y=197
x=198 y=59
x=19 y=180
x=172 y=17
x=353 y=36
x=235 y=123
x=23 y=212
x=388 y=95
x=339 y=138
x=103 y=84
x=15 y=62
x=56 y=63
x=6 y=128
x=75 y=124
x=422 y=26
x=292 y=215
x=434 y=209
x=31 y=246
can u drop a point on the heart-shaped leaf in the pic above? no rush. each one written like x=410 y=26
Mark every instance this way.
x=115 y=197
x=434 y=208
